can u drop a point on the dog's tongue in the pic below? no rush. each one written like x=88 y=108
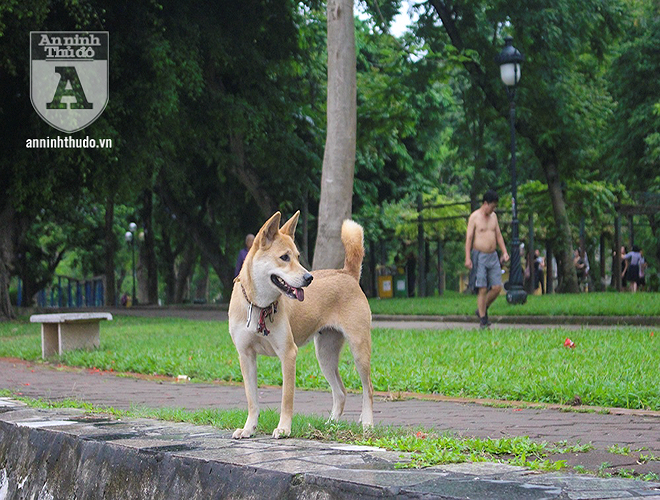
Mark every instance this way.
x=300 y=294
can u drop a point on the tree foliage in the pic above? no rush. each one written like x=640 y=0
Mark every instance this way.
x=634 y=145
x=217 y=123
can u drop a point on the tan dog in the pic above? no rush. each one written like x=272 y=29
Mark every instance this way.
x=270 y=314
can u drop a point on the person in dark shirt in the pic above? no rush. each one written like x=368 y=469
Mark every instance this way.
x=539 y=266
x=634 y=259
x=249 y=239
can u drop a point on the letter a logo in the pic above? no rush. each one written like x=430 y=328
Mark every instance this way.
x=69 y=77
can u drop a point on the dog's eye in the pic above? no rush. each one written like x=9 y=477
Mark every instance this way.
x=285 y=257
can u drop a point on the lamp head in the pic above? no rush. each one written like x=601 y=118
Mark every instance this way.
x=510 y=60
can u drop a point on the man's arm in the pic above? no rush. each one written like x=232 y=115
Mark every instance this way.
x=468 y=242
x=500 y=241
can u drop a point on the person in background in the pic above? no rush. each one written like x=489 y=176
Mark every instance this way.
x=580 y=266
x=539 y=266
x=642 y=271
x=624 y=268
x=633 y=258
x=249 y=239
x=481 y=242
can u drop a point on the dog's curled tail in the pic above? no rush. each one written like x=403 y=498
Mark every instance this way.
x=352 y=236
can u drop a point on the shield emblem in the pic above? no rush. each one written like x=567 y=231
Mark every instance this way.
x=69 y=77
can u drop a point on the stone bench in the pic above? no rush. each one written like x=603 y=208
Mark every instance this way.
x=69 y=331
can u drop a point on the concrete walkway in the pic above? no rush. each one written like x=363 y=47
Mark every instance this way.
x=634 y=430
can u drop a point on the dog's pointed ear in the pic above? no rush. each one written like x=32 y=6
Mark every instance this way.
x=269 y=230
x=290 y=226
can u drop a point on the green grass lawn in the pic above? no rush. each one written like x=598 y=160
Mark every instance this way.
x=616 y=367
x=584 y=304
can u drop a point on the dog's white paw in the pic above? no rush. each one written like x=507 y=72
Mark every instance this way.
x=367 y=423
x=281 y=433
x=241 y=433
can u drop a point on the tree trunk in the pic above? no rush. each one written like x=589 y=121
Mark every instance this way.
x=549 y=269
x=563 y=246
x=168 y=256
x=304 y=219
x=184 y=272
x=335 y=204
x=141 y=274
x=202 y=285
x=148 y=251
x=6 y=256
x=110 y=249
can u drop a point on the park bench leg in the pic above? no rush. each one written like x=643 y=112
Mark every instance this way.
x=49 y=339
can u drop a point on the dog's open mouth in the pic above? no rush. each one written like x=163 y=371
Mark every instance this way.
x=289 y=291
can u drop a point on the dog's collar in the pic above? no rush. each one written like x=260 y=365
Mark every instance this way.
x=266 y=312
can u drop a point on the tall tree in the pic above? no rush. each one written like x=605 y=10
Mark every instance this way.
x=560 y=118
x=634 y=133
x=33 y=182
x=242 y=130
x=57 y=185
x=339 y=157
x=7 y=247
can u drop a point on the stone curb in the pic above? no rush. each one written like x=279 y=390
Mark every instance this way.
x=67 y=453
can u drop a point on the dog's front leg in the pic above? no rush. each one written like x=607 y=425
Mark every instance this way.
x=287 y=355
x=249 y=370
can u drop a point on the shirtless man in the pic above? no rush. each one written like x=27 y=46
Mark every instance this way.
x=483 y=238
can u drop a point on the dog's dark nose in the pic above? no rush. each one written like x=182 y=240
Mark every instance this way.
x=308 y=279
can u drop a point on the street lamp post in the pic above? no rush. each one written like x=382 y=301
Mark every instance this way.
x=132 y=227
x=510 y=60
